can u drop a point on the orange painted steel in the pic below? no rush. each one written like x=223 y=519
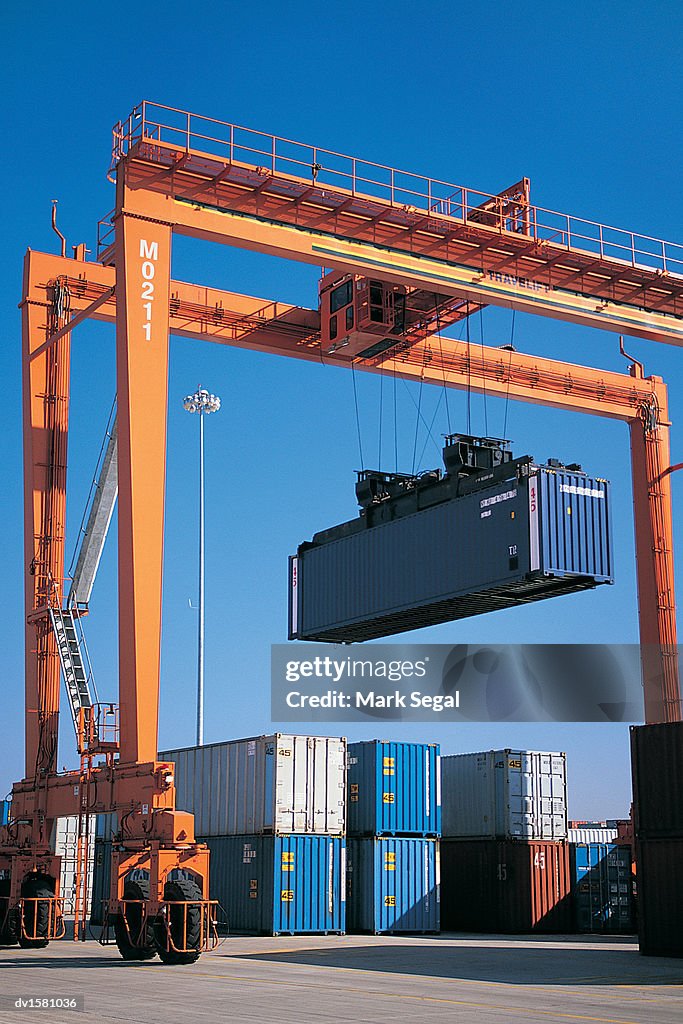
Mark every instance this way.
x=514 y=252
x=45 y=420
x=143 y=273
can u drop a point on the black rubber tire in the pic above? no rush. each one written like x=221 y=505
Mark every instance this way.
x=133 y=891
x=36 y=915
x=8 y=935
x=181 y=890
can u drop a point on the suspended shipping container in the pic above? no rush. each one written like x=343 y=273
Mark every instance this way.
x=660 y=896
x=392 y=885
x=602 y=887
x=4 y=811
x=657 y=767
x=505 y=887
x=270 y=785
x=505 y=794
x=493 y=533
x=272 y=885
x=394 y=788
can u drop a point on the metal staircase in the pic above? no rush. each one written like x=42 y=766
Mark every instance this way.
x=73 y=659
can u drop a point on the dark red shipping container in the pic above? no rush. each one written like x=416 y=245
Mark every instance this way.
x=660 y=896
x=657 y=766
x=493 y=886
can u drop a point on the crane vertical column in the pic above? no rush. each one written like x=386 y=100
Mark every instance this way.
x=143 y=269
x=650 y=459
x=45 y=414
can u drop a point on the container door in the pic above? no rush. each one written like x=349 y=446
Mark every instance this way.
x=290 y=784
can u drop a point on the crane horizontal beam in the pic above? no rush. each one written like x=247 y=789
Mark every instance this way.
x=210 y=314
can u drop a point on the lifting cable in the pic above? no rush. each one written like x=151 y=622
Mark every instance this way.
x=419 y=407
x=507 y=394
x=355 y=400
x=395 y=423
x=443 y=365
x=483 y=359
x=430 y=435
x=420 y=416
x=469 y=378
x=381 y=403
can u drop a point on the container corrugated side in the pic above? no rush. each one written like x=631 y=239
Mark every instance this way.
x=393 y=885
x=592 y=835
x=4 y=811
x=505 y=887
x=272 y=885
x=279 y=784
x=415 y=570
x=394 y=788
x=505 y=794
x=660 y=896
x=602 y=887
x=575 y=525
x=657 y=767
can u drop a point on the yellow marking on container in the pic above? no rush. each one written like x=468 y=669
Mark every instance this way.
x=387 y=798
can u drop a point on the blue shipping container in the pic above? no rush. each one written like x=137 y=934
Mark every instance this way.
x=602 y=887
x=535 y=535
x=393 y=885
x=272 y=885
x=394 y=789
x=4 y=811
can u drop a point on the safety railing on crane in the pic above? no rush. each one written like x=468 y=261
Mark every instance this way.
x=187 y=132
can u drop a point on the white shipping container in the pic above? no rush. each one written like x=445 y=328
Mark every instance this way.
x=65 y=839
x=592 y=835
x=266 y=785
x=505 y=794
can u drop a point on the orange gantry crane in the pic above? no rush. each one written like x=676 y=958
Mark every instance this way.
x=415 y=255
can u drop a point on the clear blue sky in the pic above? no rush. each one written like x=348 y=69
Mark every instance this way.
x=582 y=98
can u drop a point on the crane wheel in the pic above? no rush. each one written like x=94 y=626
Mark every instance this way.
x=134 y=917
x=181 y=890
x=36 y=915
x=8 y=935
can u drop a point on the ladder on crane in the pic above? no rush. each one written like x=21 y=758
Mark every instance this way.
x=74 y=662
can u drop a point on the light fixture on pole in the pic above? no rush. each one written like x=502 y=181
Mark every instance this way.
x=202 y=402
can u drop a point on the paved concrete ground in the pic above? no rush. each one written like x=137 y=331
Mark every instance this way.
x=356 y=979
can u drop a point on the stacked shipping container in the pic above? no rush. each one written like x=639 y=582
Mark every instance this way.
x=657 y=765
x=394 y=815
x=272 y=811
x=504 y=850
x=602 y=887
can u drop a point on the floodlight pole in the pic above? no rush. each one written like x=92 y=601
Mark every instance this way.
x=201 y=402
x=200 y=628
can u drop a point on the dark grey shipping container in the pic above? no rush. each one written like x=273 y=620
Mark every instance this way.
x=101 y=877
x=538 y=533
x=602 y=887
x=659 y=866
x=657 y=767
